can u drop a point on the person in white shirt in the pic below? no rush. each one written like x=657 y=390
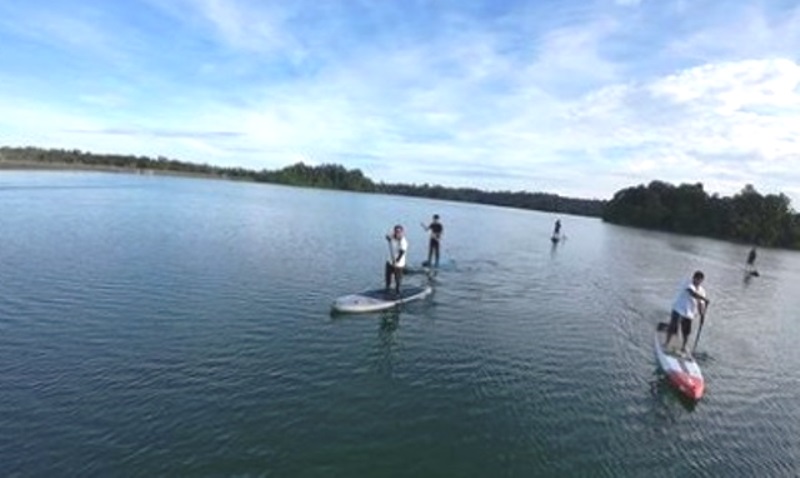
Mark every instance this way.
x=690 y=302
x=398 y=245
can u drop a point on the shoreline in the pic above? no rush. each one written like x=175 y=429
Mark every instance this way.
x=12 y=165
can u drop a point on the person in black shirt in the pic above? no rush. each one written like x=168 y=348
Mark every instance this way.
x=436 y=229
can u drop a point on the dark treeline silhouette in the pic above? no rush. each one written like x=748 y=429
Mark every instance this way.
x=326 y=176
x=748 y=216
x=518 y=199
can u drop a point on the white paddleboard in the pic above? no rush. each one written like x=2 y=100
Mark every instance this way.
x=444 y=264
x=378 y=299
x=411 y=270
x=425 y=267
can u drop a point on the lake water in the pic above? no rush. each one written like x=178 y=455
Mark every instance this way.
x=160 y=326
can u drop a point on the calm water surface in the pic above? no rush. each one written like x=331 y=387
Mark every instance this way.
x=154 y=326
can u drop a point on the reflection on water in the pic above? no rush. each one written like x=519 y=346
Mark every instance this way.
x=388 y=324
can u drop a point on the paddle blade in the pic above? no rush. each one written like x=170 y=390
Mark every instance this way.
x=662 y=326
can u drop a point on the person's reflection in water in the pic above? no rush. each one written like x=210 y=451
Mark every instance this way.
x=747 y=278
x=390 y=320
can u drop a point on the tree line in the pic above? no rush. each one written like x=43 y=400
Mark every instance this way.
x=748 y=216
x=516 y=199
x=327 y=176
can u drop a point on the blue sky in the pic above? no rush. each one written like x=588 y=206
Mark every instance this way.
x=579 y=98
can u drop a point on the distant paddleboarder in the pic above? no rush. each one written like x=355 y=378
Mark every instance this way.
x=751 y=262
x=556 y=232
x=436 y=229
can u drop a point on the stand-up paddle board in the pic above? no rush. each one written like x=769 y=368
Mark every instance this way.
x=378 y=299
x=681 y=368
x=425 y=267
x=411 y=270
x=443 y=264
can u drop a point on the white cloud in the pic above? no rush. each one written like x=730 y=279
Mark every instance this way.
x=740 y=31
x=75 y=32
x=723 y=120
x=253 y=26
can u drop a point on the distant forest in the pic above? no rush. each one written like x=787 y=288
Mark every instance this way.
x=748 y=217
x=327 y=176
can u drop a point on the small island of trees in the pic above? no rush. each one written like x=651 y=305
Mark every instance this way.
x=749 y=217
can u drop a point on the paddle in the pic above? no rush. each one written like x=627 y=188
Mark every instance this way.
x=700 y=329
x=391 y=249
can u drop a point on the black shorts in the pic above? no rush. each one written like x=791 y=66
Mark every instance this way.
x=686 y=324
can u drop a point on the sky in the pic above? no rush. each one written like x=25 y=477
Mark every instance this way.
x=575 y=97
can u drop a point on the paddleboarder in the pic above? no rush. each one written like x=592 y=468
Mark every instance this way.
x=751 y=260
x=556 y=233
x=690 y=302
x=436 y=229
x=398 y=245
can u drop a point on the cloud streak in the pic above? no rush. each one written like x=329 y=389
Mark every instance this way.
x=157 y=133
